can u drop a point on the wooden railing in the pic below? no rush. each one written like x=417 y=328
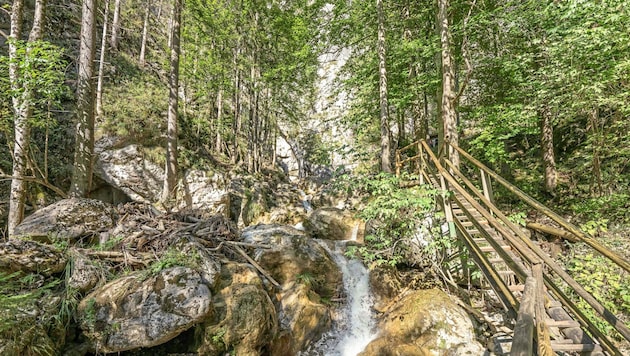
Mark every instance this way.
x=538 y=273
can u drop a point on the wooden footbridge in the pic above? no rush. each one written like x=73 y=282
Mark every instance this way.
x=530 y=284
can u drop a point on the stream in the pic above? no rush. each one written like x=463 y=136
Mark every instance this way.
x=354 y=326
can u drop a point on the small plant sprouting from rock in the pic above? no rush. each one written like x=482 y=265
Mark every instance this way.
x=306 y=279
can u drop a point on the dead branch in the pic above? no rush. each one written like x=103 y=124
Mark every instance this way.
x=36 y=180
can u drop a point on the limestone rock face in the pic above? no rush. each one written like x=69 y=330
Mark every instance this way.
x=67 y=219
x=205 y=191
x=425 y=322
x=334 y=224
x=129 y=312
x=30 y=256
x=126 y=169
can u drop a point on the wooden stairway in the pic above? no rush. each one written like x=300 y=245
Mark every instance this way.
x=514 y=268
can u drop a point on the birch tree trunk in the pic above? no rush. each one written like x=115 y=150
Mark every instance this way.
x=170 y=175
x=84 y=142
x=101 y=65
x=449 y=116
x=386 y=165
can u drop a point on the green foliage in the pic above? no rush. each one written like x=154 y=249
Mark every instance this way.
x=173 y=258
x=518 y=218
x=396 y=214
x=607 y=283
x=306 y=279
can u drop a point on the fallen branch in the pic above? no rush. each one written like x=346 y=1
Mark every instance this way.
x=546 y=229
x=257 y=266
x=36 y=180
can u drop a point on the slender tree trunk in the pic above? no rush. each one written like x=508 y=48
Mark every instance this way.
x=84 y=142
x=18 y=187
x=386 y=165
x=449 y=115
x=219 y=142
x=597 y=186
x=548 y=155
x=101 y=65
x=170 y=176
x=115 y=25
x=145 y=34
x=236 y=126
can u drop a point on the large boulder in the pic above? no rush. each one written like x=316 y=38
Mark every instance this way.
x=134 y=311
x=84 y=274
x=127 y=169
x=67 y=219
x=425 y=322
x=334 y=224
x=30 y=256
x=245 y=320
x=205 y=190
x=307 y=275
x=293 y=255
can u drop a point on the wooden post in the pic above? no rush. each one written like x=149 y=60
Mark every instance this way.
x=486 y=184
x=523 y=340
x=422 y=163
x=542 y=332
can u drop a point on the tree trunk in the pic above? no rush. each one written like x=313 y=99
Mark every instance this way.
x=449 y=116
x=218 y=142
x=597 y=186
x=101 y=65
x=84 y=141
x=115 y=25
x=386 y=165
x=236 y=126
x=145 y=34
x=22 y=109
x=548 y=155
x=170 y=176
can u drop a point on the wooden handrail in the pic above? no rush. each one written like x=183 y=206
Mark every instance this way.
x=594 y=303
x=543 y=209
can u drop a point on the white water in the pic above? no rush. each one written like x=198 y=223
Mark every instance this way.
x=305 y=201
x=355 y=327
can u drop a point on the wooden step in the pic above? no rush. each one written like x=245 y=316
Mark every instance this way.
x=562 y=323
x=562 y=347
x=491 y=249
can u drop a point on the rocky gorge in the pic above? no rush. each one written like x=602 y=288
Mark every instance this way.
x=240 y=268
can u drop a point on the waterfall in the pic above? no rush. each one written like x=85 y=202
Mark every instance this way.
x=354 y=327
x=306 y=203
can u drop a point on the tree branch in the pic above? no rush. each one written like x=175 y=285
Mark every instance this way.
x=36 y=180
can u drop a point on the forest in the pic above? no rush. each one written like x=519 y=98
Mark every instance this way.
x=324 y=93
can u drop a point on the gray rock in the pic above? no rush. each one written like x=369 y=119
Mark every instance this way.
x=129 y=312
x=334 y=224
x=84 y=275
x=127 y=169
x=67 y=219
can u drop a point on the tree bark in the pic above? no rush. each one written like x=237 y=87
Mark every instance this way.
x=449 y=116
x=115 y=25
x=101 y=65
x=145 y=34
x=548 y=155
x=84 y=141
x=170 y=175
x=386 y=165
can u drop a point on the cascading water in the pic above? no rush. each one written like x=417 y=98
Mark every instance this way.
x=354 y=327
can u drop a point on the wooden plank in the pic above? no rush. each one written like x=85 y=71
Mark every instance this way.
x=542 y=332
x=523 y=341
x=562 y=347
x=562 y=323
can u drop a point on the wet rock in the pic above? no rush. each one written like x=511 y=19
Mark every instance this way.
x=133 y=312
x=334 y=224
x=30 y=256
x=246 y=319
x=67 y=219
x=425 y=322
